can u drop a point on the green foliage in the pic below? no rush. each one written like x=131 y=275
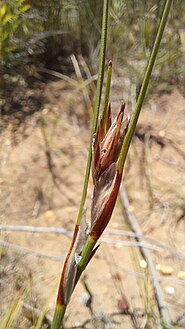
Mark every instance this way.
x=17 y=24
x=56 y=29
x=12 y=315
x=132 y=32
x=11 y=21
x=70 y=27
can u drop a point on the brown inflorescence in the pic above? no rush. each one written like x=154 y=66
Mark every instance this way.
x=106 y=176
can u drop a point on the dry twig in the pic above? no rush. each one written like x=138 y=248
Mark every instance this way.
x=133 y=223
x=27 y=251
x=154 y=245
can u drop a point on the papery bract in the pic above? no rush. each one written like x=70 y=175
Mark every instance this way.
x=106 y=176
x=108 y=142
x=68 y=278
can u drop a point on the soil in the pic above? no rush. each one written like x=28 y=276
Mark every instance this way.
x=42 y=165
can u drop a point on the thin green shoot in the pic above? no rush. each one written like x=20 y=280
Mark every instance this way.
x=144 y=86
x=96 y=105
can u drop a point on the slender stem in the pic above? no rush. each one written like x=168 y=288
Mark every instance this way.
x=58 y=316
x=142 y=93
x=90 y=243
x=85 y=257
x=60 y=310
x=107 y=93
x=96 y=104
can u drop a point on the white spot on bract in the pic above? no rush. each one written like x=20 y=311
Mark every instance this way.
x=77 y=258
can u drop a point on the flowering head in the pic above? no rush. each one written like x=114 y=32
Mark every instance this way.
x=106 y=177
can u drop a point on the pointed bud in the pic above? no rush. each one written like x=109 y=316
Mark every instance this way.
x=109 y=122
x=108 y=143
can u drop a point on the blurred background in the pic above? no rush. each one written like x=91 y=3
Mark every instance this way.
x=48 y=70
x=44 y=34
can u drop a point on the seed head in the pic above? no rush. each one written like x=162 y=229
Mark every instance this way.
x=107 y=146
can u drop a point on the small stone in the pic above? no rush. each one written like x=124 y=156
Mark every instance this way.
x=118 y=245
x=117 y=276
x=131 y=208
x=143 y=263
x=181 y=275
x=122 y=304
x=164 y=269
x=108 y=276
x=158 y=266
x=45 y=111
x=50 y=216
x=104 y=290
x=170 y=290
x=161 y=133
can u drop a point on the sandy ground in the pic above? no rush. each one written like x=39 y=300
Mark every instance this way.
x=30 y=195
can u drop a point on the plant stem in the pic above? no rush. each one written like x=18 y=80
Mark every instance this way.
x=85 y=257
x=60 y=310
x=58 y=316
x=144 y=86
x=107 y=93
x=96 y=104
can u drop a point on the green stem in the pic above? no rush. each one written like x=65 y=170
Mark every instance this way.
x=86 y=255
x=144 y=86
x=107 y=93
x=96 y=105
x=58 y=317
x=60 y=310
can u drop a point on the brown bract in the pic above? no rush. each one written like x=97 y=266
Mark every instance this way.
x=104 y=199
x=68 y=277
x=107 y=143
x=106 y=177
